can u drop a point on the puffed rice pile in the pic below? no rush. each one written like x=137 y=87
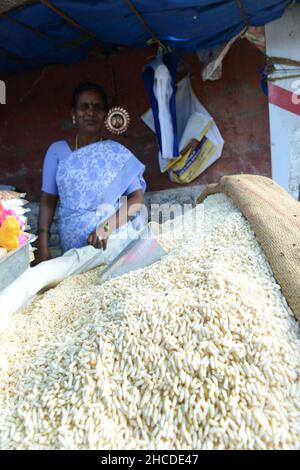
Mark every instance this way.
x=198 y=351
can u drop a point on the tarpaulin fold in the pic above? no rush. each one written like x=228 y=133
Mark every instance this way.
x=186 y=24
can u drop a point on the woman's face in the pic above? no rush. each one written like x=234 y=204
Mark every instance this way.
x=90 y=113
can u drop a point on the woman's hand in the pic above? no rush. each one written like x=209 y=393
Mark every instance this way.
x=40 y=256
x=98 y=238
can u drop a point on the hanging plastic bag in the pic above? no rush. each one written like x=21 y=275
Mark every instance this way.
x=213 y=59
x=196 y=150
x=9 y=233
x=160 y=81
x=11 y=230
x=193 y=123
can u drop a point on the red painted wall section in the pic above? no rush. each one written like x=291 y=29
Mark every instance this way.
x=37 y=113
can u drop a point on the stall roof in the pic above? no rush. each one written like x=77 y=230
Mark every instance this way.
x=63 y=31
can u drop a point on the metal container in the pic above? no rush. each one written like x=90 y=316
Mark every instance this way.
x=14 y=263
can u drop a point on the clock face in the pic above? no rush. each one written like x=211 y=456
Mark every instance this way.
x=117 y=120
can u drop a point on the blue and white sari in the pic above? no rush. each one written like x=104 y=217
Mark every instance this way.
x=90 y=182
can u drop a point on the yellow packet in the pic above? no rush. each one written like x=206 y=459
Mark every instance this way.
x=193 y=161
x=9 y=232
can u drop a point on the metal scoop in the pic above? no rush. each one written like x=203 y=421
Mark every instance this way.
x=141 y=252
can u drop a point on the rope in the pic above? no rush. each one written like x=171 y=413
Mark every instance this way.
x=282 y=60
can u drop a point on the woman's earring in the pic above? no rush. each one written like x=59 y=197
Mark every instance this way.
x=74 y=120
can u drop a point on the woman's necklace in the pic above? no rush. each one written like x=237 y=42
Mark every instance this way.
x=77 y=141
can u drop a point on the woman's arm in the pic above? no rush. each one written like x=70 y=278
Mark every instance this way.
x=134 y=202
x=47 y=209
x=99 y=237
x=48 y=202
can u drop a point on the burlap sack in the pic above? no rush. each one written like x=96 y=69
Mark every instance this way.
x=275 y=219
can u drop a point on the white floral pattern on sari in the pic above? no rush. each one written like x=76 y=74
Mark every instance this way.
x=92 y=175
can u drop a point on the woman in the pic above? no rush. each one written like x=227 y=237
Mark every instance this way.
x=88 y=176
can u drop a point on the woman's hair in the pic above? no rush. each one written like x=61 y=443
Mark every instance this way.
x=89 y=86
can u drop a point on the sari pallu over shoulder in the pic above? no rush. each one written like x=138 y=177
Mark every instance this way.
x=91 y=181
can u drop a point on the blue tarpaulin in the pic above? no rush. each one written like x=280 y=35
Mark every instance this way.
x=186 y=24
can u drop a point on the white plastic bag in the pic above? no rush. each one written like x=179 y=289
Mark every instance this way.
x=49 y=273
x=187 y=106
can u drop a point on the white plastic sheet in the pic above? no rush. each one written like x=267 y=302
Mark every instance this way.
x=213 y=59
x=187 y=104
x=163 y=91
x=49 y=273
